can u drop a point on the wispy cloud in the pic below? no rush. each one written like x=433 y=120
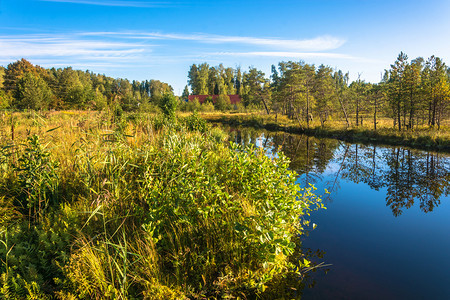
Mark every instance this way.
x=103 y=50
x=113 y=3
x=67 y=47
x=322 y=43
x=285 y=54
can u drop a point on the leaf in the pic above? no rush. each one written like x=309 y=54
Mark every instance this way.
x=50 y=130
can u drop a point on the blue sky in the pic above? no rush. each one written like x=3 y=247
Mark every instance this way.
x=142 y=40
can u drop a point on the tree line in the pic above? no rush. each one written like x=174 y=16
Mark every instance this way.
x=410 y=93
x=26 y=86
x=209 y=80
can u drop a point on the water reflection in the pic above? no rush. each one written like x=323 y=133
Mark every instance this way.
x=409 y=176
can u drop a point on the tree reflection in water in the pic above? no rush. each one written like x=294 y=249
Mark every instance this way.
x=409 y=176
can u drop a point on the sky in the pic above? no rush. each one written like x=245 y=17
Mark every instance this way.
x=143 y=40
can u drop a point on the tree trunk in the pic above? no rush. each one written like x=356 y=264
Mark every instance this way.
x=357 y=111
x=411 y=110
x=433 y=114
x=345 y=112
x=265 y=106
x=429 y=113
x=375 y=115
x=307 y=108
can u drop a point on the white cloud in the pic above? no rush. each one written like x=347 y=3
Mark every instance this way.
x=322 y=43
x=137 y=49
x=286 y=54
x=42 y=45
x=113 y=3
x=298 y=55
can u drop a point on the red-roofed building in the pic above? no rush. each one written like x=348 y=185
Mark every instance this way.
x=234 y=99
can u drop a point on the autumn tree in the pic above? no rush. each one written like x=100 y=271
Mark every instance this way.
x=32 y=92
x=16 y=70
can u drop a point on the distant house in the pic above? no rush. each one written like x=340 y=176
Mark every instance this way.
x=234 y=99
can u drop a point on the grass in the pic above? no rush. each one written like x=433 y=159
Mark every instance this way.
x=421 y=137
x=95 y=206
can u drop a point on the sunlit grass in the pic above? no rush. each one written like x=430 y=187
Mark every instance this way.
x=422 y=136
x=138 y=206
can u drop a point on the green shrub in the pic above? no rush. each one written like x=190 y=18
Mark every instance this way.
x=168 y=105
x=179 y=215
x=223 y=103
x=196 y=123
x=207 y=107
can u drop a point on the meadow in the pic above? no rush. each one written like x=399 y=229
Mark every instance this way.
x=98 y=205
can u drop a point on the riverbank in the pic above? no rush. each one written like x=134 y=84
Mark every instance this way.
x=421 y=138
x=95 y=205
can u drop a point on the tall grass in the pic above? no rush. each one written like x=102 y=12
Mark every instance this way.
x=95 y=206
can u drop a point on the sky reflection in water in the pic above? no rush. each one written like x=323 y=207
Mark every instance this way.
x=386 y=227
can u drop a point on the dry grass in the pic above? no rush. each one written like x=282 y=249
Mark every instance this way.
x=144 y=207
x=420 y=137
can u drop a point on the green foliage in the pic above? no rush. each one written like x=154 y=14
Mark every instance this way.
x=5 y=100
x=254 y=88
x=178 y=215
x=32 y=255
x=417 y=91
x=36 y=181
x=223 y=103
x=73 y=89
x=207 y=107
x=168 y=105
x=195 y=123
x=185 y=95
x=99 y=101
x=158 y=89
x=206 y=80
x=191 y=106
x=32 y=93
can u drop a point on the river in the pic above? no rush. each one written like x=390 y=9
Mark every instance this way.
x=386 y=231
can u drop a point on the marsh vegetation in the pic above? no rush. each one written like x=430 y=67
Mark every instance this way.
x=100 y=205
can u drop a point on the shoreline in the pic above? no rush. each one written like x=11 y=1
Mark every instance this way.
x=390 y=137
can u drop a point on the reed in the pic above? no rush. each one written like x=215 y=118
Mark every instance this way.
x=96 y=206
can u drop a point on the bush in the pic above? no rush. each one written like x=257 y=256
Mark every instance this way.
x=193 y=105
x=168 y=105
x=195 y=123
x=171 y=214
x=207 y=107
x=5 y=100
x=223 y=103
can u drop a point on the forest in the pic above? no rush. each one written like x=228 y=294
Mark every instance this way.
x=26 y=86
x=411 y=93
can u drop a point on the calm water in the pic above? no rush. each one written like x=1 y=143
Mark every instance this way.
x=386 y=230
